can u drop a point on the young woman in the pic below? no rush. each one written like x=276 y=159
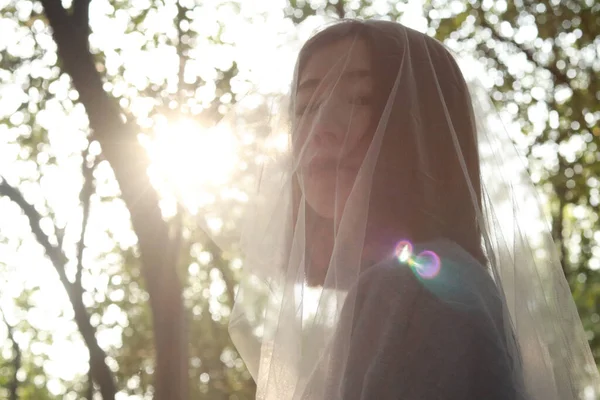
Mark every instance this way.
x=388 y=255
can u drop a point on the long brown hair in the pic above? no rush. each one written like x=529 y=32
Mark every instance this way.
x=432 y=203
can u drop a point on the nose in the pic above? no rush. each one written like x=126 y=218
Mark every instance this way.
x=326 y=141
x=323 y=135
x=330 y=123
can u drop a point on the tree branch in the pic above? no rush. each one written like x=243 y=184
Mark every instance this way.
x=56 y=14
x=81 y=13
x=176 y=242
x=180 y=53
x=14 y=384
x=85 y=196
x=553 y=69
x=56 y=256
x=217 y=254
x=81 y=19
x=90 y=385
x=102 y=374
x=339 y=9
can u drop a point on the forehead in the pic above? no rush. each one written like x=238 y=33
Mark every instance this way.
x=334 y=58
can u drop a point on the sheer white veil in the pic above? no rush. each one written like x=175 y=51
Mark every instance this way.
x=438 y=183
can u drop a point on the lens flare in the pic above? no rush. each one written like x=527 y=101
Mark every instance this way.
x=427 y=263
x=404 y=251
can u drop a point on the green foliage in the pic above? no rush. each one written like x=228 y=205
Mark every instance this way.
x=113 y=288
x=554 y=97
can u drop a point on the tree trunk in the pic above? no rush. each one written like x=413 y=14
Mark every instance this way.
x=129 y=162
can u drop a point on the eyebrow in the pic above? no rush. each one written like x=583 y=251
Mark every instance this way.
x=348 y=75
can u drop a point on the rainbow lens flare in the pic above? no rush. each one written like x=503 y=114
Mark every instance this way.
x=404 y=251
x=427 y=263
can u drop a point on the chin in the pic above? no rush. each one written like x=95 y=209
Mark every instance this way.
x=322 y=209
x=317 y=277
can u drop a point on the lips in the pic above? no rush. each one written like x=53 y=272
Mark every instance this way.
x=323 y=164
x=329 y=161
x=326 y=158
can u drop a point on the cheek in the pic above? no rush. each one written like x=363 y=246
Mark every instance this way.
x=359 y=130
x=353 y=138
x=350 y=133
x=300 y=136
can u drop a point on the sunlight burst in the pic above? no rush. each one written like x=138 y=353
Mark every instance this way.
x=192 y=162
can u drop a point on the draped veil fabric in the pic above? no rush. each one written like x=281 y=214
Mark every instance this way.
x=396 y=249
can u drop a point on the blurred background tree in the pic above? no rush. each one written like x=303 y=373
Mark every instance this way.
x=102 y=261
x=543 y=64
x=127 y=255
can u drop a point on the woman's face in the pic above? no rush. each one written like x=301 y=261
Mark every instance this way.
x=333 y=123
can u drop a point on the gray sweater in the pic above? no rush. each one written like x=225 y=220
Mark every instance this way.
x=423 y=339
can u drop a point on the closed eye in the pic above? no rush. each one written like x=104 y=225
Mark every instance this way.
x=310 y=108
x=364 y=100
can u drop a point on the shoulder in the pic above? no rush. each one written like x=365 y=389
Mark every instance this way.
x=461 y=286
x=451 y=269
x=403 y=321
